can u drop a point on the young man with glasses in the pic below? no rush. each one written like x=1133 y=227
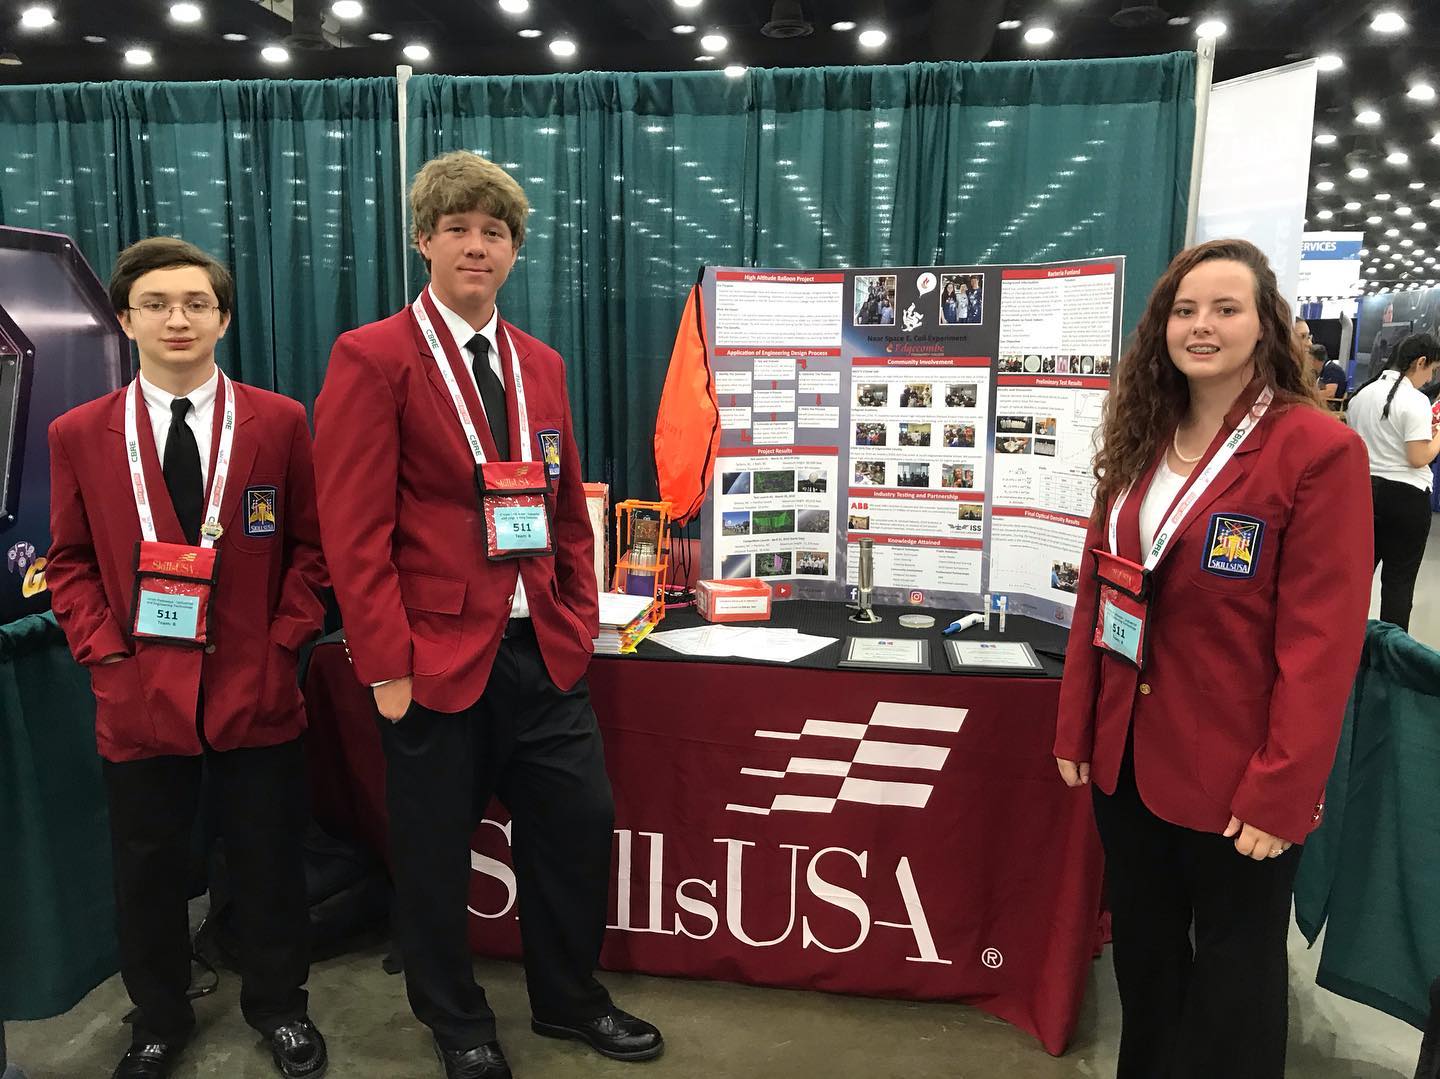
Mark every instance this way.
x=185 y=570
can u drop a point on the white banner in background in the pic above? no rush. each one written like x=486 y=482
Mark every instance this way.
x=1256 y=171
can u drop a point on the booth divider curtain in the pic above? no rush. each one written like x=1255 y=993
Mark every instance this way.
x=294 y=185
x=636 y=179
x=57 y=906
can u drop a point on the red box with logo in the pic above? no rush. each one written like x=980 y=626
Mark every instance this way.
x=743 y=599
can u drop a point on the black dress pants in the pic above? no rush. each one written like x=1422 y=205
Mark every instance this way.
x=1217 y=1007
x=1402 y=527
x=538 y=749
x=260 y=806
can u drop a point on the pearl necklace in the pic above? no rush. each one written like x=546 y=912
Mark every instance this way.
x=1175 y=445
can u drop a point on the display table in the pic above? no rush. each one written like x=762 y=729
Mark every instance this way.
x=893 y=835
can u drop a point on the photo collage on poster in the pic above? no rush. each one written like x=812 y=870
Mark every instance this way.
x=930 y=410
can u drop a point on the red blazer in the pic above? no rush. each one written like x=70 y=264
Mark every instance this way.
x=264 y=608
x=1239 y=707
x=400 y=518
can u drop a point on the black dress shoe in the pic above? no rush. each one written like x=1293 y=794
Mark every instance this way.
x=616 y=1034
x=298 y=1050
x=483 y=1062
x=152 y=1061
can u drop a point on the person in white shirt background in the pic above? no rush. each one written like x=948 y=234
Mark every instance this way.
x=1393 y=417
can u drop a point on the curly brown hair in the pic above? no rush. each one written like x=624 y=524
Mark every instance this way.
x=1150 y=394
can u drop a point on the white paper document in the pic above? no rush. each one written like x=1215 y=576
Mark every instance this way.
x=758 y=643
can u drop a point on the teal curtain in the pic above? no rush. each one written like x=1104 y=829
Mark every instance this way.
x=637 y=179
x=57 y=907
x=294 y=185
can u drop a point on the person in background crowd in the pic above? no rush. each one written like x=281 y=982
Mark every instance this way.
x=199 y=683
x=1394 y=418
x=1328 y=375
x=1302 y=333
x=1210 y=659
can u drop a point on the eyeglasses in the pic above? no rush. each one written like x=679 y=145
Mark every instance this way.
x=155 y=310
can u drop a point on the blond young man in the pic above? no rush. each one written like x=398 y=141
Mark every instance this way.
x=470 y=611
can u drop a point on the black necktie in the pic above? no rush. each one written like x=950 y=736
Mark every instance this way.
x=182 y=471
x=492 y=394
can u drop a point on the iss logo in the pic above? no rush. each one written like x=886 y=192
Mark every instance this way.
x=1232 y=545
x=870 y=763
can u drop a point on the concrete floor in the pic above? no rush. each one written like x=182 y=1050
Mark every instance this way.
x=718 y=1031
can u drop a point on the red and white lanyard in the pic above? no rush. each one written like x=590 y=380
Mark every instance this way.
x=437 y=350
x=1202 y=482
x=210 y=530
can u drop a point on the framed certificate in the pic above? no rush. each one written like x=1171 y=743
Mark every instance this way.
x=886 y=653
x=992 y=657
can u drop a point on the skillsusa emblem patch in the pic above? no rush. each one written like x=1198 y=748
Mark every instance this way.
x=550 y=451
x=259 y=511
x=1232 y=545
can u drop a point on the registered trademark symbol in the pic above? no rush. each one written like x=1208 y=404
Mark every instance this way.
x=992 y=958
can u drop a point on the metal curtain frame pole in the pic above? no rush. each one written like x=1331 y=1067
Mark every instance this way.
x=1204 y=77
x=402 y=78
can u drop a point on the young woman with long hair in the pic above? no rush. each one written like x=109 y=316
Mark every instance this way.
x=1393 y=417
x=1210 y=659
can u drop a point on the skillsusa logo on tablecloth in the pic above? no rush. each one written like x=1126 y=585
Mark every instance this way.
x=867 y=766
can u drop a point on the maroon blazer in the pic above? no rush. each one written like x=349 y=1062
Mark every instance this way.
x=1239 y=707
x=265 y=606
x=400 y=518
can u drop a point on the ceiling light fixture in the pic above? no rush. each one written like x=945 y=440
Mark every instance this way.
x=714 y=42
x=1039 y=35
x=1328 y=62
x=734 y=71
x=1008 y=24
x=347 y=9
x=9 y=59
x=1359 y=172
x=380 y=35
x=843 y=25
x=138 y=57
x=1369 y=117
x=37 y=18
x=1178 y=20
x=1421 y=91
x=235 y=37
x=185 y=13
x=687 y=3
x=563 y=47
x=1325 y=215
x=1325 y=138
x=1211 y=28
x=1388 y=22
x=1325 y=185
x=416 y=51
x=683 y=28
x=514 y=7
x=530 y=31
x=873 y=37
x=704 y=58
x=1352 y=206
x=94 y=39
x=275 y=54
x=1397 y=157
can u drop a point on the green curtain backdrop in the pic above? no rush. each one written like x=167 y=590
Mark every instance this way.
x=294 y=185
x=637 y=179
x=57 y=907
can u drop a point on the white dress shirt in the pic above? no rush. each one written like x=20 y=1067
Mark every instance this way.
x=1156 y=503
x=462 y=331
x=200 y=418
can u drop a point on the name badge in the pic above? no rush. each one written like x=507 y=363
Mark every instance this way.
x=1124 y=607
x=173 y=586
x=514 y=509
x=160 y=615
x=521 y=528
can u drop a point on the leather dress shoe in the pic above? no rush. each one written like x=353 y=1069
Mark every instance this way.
x=616 y=1034
x=483 y=1062
x=298 y=1050
x=152 y=1061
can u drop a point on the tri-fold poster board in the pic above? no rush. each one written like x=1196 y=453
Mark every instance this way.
x=948 y=413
